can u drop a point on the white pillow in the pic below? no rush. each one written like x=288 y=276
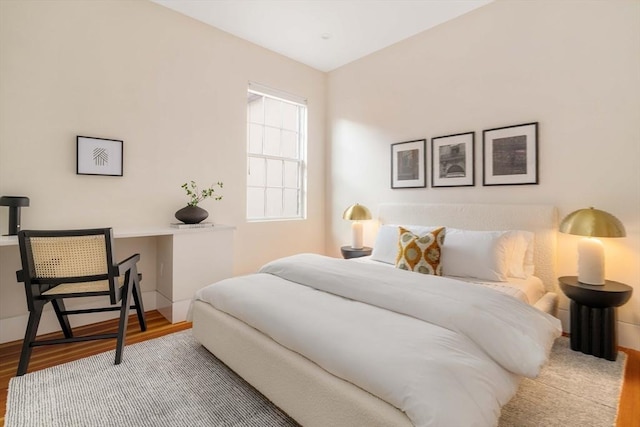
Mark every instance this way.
x=503 y=253
x=385 y=248
x=529 y=266
x=520 y=262
x=482 y=255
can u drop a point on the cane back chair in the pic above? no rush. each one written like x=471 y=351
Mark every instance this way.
x=72 y=264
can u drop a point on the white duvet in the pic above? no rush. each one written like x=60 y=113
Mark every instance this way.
x=445 y=352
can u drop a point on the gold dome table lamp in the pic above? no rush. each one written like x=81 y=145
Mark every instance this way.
x=356 y=213
x=591 y=223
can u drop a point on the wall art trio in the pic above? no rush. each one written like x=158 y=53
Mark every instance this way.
x=509 y=153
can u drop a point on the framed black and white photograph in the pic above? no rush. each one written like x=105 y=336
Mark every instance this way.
x=98 y=156
x=452 y=160
x=511 y=155
x=408 y=161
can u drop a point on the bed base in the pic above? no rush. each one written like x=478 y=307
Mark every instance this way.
x=548 y=303
x=305 y=391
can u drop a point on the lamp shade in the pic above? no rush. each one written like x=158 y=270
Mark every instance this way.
x=356 y=213
x=592 y=223
x=14 y=201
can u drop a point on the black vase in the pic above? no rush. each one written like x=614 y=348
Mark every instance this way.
x=192 y=214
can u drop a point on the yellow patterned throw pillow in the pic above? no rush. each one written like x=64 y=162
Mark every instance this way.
x=420 y=253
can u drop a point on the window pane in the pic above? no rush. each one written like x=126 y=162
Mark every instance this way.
x=290 y=203
x=256 y=172
x=273 y=112
x=255 y=202
x=289 y=144
x=291 y=174
x=255 y=112
x=274 y=173
x=255 y=138
x=276 y=134
x=272 y=141
x=289 y=117
x=274 y=202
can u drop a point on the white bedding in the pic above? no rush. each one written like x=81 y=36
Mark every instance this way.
x=529 y=290
x=443 y=351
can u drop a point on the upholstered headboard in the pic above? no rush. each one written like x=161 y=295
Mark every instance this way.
x=539 y=219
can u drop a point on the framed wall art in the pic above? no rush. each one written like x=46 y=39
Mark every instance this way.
x=452 y=160
x=98 y=156
x=408 y=161
x=511 y=155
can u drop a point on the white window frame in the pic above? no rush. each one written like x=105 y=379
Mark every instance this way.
x=301 y=160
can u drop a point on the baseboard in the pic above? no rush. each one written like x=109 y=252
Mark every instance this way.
x=629 y=335
x=174 y=312
x=13 y=328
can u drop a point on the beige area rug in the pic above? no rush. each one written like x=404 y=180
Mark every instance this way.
x=574 y=389
x=173 y=381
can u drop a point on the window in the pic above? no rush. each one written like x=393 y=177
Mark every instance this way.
x=276 y=137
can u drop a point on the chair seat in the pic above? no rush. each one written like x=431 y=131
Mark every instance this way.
x=82 y=287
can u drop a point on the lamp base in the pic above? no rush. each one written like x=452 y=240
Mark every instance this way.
x=591 y=261
x=356 y=235
x=583 y=282
x=14 y=220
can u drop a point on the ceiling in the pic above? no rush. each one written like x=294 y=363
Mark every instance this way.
x=324 y=34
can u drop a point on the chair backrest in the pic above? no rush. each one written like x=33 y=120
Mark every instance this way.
x=67 y=256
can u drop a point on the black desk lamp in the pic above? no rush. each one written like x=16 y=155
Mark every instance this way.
x=14 y=203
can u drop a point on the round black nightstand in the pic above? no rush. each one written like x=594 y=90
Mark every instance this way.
x=593 y=315
x=349 y=252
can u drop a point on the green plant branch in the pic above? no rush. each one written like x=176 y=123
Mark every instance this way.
x=196 y=196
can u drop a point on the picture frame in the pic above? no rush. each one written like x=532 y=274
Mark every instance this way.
x=408 y=160
x=510 y=155
x=453 y=160
x=99 y=156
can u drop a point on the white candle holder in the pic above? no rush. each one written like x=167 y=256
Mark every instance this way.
x=591 y=261
x=356 y=235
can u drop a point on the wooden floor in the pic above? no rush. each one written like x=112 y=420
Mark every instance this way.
x=157 y=326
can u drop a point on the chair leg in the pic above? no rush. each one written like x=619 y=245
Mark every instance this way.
x=63 y=319
x=124 y=318
x=137 y=298
x=30 y=337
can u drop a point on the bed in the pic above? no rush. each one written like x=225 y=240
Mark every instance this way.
x=398 y=351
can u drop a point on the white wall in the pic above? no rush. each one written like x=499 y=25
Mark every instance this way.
x=174 y=90
x=574 y=67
